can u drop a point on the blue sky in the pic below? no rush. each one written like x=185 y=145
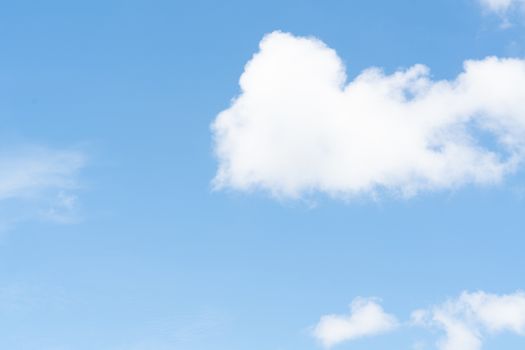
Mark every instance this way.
x=114 y=234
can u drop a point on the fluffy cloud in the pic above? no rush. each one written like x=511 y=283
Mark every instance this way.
x=468 y=318
x=465 y=320
x=36 y=181
x=366 y=318
x=299 y=127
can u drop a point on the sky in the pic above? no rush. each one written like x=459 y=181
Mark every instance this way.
x=277 y=175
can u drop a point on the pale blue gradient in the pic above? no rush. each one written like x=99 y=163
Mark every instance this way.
x=160 y=261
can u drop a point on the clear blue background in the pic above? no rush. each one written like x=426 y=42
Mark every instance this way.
x=160 y=261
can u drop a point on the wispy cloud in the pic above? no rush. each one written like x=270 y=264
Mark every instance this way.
x=298 y=127
x=39 y=183
x=503 y=9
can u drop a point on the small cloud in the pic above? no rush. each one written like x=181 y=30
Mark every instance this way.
x=64 y=209
x=503 y=8
x=498 y=6
x=366 y=318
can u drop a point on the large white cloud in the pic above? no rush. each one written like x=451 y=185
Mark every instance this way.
x=467 y=319
x=366 y=318
x=298 y=126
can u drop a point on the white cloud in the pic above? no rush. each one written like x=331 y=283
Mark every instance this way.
x=504 y=9
x=467 y=319
x=27 y=172
x=37 y=182
x=498 y=6
x=501 y=6
x=366 y=318
x=298 y=127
